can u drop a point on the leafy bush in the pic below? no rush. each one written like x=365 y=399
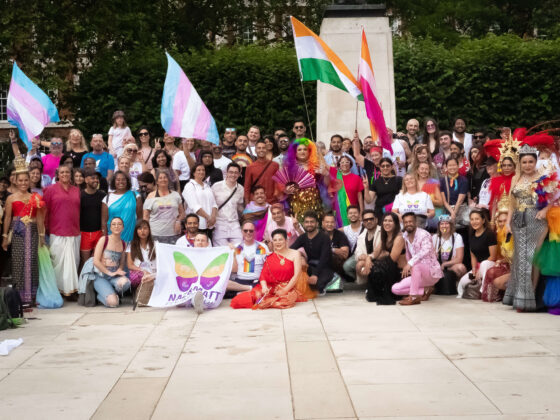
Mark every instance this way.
x=241 y=86
x=492 y=81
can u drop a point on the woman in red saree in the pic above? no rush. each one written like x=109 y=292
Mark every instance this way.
x=282 y=282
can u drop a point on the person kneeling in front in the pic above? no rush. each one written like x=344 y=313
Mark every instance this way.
x=422 y=271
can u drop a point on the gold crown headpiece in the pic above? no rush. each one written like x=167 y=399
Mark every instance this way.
x=510 y=149
x=20 y=165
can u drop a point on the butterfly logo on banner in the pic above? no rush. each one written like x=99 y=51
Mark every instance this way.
x=187 y=275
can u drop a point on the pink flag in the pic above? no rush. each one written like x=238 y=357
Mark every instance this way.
x=366 y=80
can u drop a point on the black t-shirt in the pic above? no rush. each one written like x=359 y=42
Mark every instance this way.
x=479 y=245
x=476 y=178
x=90 y=211
x=103 y=185
x=317 y=249
x=339 y=239
x=386 y=190
x=77 y=158
x=372 y=172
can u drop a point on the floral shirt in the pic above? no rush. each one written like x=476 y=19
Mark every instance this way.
x=421 y=251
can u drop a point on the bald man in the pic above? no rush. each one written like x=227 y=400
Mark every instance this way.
x=412 y=129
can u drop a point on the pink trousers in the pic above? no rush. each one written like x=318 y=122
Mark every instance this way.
x=414 y=285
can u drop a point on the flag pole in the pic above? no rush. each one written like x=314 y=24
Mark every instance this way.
x=306 y=110
x=356 y=124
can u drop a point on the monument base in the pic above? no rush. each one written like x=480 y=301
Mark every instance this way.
x=341 y=29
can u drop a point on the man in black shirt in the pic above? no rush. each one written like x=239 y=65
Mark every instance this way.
x=317 y=246
x=90 y=215
x=340 y=247
x=89 y=163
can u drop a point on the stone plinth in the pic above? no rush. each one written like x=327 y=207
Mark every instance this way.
x=341 y=30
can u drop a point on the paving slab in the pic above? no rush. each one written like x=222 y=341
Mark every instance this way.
x=133 y=398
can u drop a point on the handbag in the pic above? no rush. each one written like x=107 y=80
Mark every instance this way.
x=472 y=290
x=144 y=292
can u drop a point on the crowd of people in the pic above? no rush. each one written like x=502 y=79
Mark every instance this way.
x=445 y=212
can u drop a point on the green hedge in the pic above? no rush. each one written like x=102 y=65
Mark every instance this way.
x=493 y=81
x=241 y=86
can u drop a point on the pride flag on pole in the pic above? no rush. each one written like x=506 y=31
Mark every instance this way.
x=28 y=107
x=183 y=114
x=318 y=62
x=374 y=112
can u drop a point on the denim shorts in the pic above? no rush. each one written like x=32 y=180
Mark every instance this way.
x=105 y=285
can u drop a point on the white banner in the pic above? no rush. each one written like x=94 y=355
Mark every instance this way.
x=183 y=271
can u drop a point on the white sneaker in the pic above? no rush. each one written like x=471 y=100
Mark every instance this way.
x=198 y=302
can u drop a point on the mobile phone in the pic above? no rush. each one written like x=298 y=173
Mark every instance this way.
x=508 y=237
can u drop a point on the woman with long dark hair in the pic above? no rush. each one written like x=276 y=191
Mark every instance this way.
x=430 y=135
x=141 y=255
x=161 y=162
x=384 y=189
x=387 y=260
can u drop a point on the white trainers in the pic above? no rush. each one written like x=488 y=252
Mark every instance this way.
x=198 y=302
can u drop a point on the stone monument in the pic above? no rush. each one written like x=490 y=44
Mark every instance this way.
x=341 y=29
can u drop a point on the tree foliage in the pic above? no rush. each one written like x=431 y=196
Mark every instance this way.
x=491 y=81
x=241 y=86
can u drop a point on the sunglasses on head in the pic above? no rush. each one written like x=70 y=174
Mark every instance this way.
x=230 y=129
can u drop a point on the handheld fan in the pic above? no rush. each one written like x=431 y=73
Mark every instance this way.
x=300 y=178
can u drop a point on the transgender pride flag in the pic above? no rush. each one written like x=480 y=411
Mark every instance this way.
x=183 y=114
x=29 y=108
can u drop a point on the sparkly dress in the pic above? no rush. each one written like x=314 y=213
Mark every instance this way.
x=527 y=230
x=306 y=199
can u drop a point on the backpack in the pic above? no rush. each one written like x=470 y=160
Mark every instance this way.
x=10 y=307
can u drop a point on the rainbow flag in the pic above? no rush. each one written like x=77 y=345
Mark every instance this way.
x=318 y=62
x=374 y=112
x=183 y=114
x=28 y=107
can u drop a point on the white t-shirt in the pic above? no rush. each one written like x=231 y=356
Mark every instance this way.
x=447 y=246
x=222 y=164
x=181 y=164
x=467 y=145
x=183 y=241
x=149 y=266
x=398 y=152
x=418 y=203
x=250 y=260
x=119 y=135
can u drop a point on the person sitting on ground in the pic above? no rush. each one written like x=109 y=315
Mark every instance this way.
x=483 y=248
x=278 y=220
x=383 y=267
x=109 y=260
x=317 y=247
x=141 y=255
x=450 y=251
x=249 y=257
x=352 y=232
x=281 y=282
x=422 y=270
x=340 y=247
x=365 y=245
x=191 y=225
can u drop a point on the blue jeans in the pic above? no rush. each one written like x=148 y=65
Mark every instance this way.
x=105 y=285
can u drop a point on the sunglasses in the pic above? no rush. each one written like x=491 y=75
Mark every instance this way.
x=143 y=134
x=56 y=144
x=297 y=127
x=369 y=219
x=478 y=137
x=132 y=150
x=248 y=230
x=385 y=166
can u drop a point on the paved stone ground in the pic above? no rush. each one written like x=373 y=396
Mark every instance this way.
x=332 y=358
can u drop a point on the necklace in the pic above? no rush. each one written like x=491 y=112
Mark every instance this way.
x=385 y=180
x=282 y=259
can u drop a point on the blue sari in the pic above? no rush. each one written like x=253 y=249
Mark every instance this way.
x=124 y=208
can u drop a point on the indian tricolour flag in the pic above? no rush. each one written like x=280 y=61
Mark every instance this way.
x=318 y=62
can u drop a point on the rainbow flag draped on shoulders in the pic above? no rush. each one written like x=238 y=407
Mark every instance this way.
x=183 y=114
x=318 y=62
x=28 y=107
